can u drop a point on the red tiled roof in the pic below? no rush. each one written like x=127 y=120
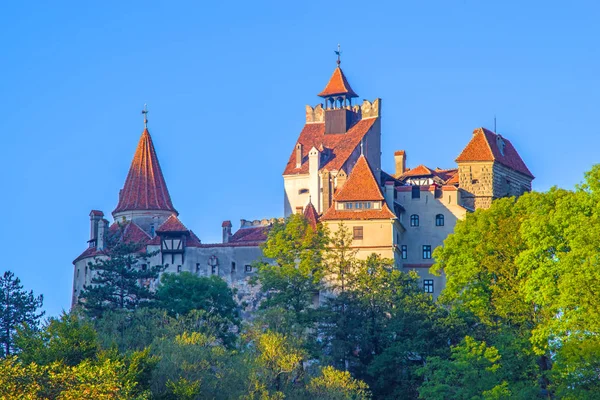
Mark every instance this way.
x=145 y=187
x=453 y=180
x=361 y=184
x=419 y=170
x=226 y=224
x=172 y=224
x=344 y=215
x=254 y=234
x=128 y=231
x=484 y=147
x=399 y=153
x=341 y=145
x=311 y=215
x=97 y=213
x=338 y=85
x=193 y=240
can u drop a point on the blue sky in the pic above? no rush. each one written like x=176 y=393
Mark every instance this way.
x=226 y=84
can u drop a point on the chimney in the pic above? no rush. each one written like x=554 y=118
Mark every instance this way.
x=400 y=158
x=314 y=158
x=340 y=179
x=226 y=225
x=102 y=231
x=95 y=217
x=298 y=155
x=389 y=194
x=326 y=179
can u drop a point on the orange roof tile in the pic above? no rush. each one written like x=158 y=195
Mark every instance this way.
x=419 y=170
x=311 y=215
x=338 y=85
x=361 y=184
x=340 y=145
x=145 y=187
x=341 y=215
x=484 y=147
x=172 y=224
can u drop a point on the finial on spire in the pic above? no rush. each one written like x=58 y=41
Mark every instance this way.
x=145 y=113
x=361 y=148
x=338 y=52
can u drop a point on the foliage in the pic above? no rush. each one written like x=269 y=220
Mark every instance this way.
x=118 y=276
x=471 y=373
x=17 y=306
x=105 y=379
x=181 y=293
x=295 y=274
x=338 y=385
x=68 y=339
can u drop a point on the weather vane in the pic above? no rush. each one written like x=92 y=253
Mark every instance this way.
x=338 y=52
x=145 y=113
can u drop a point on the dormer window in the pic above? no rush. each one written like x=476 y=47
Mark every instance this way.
x=500 y=143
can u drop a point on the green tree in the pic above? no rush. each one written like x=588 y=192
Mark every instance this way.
x=68 y=339
x=178 y=294
x=17 y=307
x=294 y=277
x=118 y=275
x=340 y=260
x=333 y=384
x=473 y=372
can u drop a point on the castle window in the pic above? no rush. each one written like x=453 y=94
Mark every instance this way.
x=414 y=220
x=197 y=267
x=248 y=268
x=299 y=210
x=232 y=267
x=358 y=205
x=426 y=251
x=357 y=232
x=152 y=231
x=348 y=206
x=179 y=268
x=475 y=181
x=404 y=251
x=213 y=269
x=78 y=272
x=144 y=267
x=428 y=285
x=439 y=220
x=302 y=191
x=416 y=192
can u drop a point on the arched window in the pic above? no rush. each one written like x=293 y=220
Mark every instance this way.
x=439 y=220
x=414 y=220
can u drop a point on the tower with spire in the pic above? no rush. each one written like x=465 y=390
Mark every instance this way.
x=145 y=214
x=334 y=136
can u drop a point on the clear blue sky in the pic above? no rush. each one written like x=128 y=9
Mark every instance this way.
x=226 y=84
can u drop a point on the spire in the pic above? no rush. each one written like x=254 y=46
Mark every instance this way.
x=145 y=187
x=338 y=85
x=311 y=214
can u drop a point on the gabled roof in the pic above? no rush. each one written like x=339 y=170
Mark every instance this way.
x=484 y=146
x=172 y=224
x=250 y=235
x=419 y=170
x=129 y=232
x=145 y=187
x=311 y=215
x=338 y=85
x=339 y=145
x=361 y=184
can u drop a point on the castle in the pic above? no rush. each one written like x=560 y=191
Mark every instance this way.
x=334 y=177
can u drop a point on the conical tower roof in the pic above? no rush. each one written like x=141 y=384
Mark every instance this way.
x=145 y=187
x=338 y=85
